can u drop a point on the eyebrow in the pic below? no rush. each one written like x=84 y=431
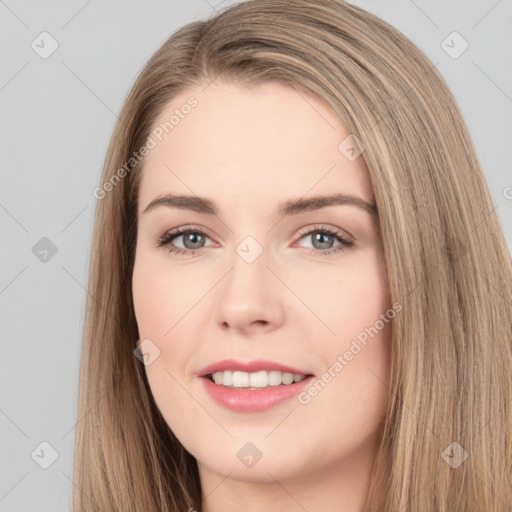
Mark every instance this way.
x=290 y=207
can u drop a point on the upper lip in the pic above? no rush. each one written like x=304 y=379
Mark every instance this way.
x=249 y=366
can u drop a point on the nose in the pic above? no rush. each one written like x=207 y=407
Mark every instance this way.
x=250 y=299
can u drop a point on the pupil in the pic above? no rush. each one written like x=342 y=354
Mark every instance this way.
x=190 y=237
x=320 y=237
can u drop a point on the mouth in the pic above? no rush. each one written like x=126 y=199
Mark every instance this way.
x=242 y=397
x=236 y=379
x=253 y=386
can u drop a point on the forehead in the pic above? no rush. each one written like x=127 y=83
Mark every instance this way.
x=250 y=147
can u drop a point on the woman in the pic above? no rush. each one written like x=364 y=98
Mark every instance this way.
x=300 y=293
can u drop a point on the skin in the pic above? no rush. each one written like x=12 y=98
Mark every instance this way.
x=249 y=149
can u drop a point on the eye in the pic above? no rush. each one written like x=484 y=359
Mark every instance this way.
x=322 y=239
x=193 y=240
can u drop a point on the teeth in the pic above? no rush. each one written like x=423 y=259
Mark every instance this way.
x=260 y=379
x=240 y=380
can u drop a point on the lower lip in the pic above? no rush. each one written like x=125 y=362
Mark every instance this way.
x=246 y=400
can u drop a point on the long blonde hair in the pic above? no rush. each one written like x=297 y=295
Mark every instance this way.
x=446 y=258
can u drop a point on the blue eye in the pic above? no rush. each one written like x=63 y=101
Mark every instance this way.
x=195 y=237
x=320 y=234
x=189 y=235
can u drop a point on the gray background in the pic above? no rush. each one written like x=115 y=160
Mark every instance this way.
x=58 y=114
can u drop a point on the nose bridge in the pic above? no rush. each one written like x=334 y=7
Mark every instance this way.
x=247 y=295
x=249 y=266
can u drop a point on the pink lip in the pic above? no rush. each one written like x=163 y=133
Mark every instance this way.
x=250 y=366
x=246 y=400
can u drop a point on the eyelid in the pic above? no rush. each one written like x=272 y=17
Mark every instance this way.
x=181 y=230
x=301 y=233
x=335 y=231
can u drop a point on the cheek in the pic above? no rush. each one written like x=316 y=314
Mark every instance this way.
x=159 y=297
x=163 y=300
x=160 y=301
x=357 y=356
x=147 y=308
x=348 y=299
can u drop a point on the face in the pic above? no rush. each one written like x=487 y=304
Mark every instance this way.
x=261 y=279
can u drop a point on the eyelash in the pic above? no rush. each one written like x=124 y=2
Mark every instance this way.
x=170 y=236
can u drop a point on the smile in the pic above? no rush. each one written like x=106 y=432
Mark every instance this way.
x=254 y=380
